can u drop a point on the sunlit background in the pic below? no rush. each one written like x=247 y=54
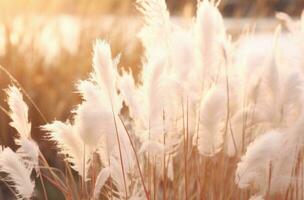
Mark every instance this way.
x=47 y=45
x=123 y=7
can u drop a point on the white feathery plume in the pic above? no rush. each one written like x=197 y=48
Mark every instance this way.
x=93 y=117
x=253 y=169
x=18 y=112
x=234 y=133
x=266 y=154
x=156 y=151
x=89 y=90
x=292 y=88
x=160 y=106
x=182 y=50
x=273 y=78
x=108 y=151
x=105 y=148
x=281 y=95
x=114 y=167
x=156 y=39
x=69 y=143
x=101 y=179
x=117 y=176
x=105 y=70
x=285 y=174
x=211 y=128
x=108 y=147
x=182 y=79
x=249 y=67
x=158 y=102
x=152 y=94
x=209 y=34
x=129 y=94
x=104 y=73
x=156 y=30
x=182 y=71
x=92 y=121
x=242 y=121
x=126 y=150
x=18 y=175
x=153 y=148
x=29 y=152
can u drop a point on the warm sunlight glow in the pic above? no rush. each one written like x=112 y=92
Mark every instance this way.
x=151 y=99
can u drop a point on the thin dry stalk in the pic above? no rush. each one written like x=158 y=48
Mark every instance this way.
x=120 y=155
x=185 y=154
x=164 y=160
x=154 y=178
x=24 y=92
x=269 y=181
x=136 y=158
x=43 y=187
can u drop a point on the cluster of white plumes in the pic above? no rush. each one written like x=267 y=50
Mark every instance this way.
x=197 y=87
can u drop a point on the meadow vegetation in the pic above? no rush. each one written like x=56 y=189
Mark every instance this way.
x=200 y=115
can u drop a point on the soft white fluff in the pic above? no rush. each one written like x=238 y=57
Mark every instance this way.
x=18 y=111
x=29 y=152
x=212 y=121
x=280 y=95
x=209 y=34
x=253 y=169
x=157 y=28
x=117 y=176
x=182 y=72
x=104 y=69
x=102 y=177
x=152 y=97
x=153 y=148
x=18 y=174
x=130 y=94
x=69 y=143
x=93 y=117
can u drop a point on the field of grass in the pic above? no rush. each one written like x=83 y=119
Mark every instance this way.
x=151 y=106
